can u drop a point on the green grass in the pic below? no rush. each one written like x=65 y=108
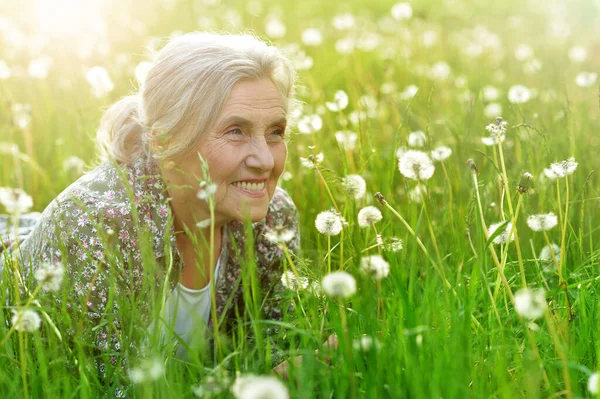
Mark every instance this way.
x=457 y=342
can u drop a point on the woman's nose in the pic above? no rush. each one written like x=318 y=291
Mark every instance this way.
x=259 y=156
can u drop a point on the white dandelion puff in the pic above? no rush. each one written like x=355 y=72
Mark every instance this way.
x=376 y=266
x=417 y=139
x=309 y=124
x=577 y=54
x=275 y=29
x=207 y=190
x=530 y=303
x=15 y=200
x=519 y=94
x=312 y=161
x=339 y=285
x=100 y=81
x=492 y=110
x=416 y=165
x=251 y=386
x=21 y=115
x=368 y=216
x=592 y=384
x=441 y=153
x=564 y=168
x=329 y=223
x=355 y=186
x=50 y=276
x=394 y=244
x=312 y=37
x=74 y=164
x=542 y=221
x=346 y=139
x=279 y=234
x=497 y=132
x=340 y=101
x=402 y=11
x=149 y=370
x=490 y=93
x=365 y=343
x=409 y=92
x=503 y=237
x=290 y=281
x=586 y=79
x=547 y=251
x=26 y=320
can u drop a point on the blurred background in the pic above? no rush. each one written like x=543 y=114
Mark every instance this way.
x=62 y=62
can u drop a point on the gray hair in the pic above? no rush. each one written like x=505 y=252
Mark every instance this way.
x=185 y=91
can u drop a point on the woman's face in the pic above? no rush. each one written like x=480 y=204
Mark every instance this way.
x=245 y=152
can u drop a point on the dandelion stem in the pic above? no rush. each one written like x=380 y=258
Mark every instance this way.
x=513 y=215
x=429 y=226
x=420 y=243
x=327 y=188
x=347 y=345
x=561 y=353
x=451 y=213
x=20 y=314
x=328 y=254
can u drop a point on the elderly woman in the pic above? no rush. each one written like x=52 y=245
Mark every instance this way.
x=190 y=158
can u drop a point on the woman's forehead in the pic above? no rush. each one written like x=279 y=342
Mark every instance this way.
x=252 y=100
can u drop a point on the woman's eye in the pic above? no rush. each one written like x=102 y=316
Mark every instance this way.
x=279 y=132
x=235 y=131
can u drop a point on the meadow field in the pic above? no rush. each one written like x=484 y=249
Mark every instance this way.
x=443 y=153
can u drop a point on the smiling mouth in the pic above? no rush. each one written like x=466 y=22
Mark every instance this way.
x=254 y=189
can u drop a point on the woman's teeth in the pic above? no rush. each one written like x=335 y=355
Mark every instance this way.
x=250 y=186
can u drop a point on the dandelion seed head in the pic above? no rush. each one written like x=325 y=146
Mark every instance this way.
x=355 y=186
x=26 y=320
x=207 y=190
x=393 y=244
x=100 y=81
x=329 y=223
x=50 y=276
x=312 y=161
x=441 y=153
x=417 y=139
x=564 y=168
x=290 y=281
x=519 y=94
x=416 y=165
x=577 y=54
x=492 y=110
x=312 y=37
x=279 y=234
x=376 y=266
x=401 y=11
x=368 y=216
x=365 y=343
x=149 y=370
x=530 y=303
x=309 y=124
x=542 y=221
x=339 y=285
x=347 y=140
x=250 y=386
x=503 y=237
x=15 y=200
x=592 y=384
x=586 y=79
x=340 y=101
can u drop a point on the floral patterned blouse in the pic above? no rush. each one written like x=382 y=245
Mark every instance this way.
x=118 y=205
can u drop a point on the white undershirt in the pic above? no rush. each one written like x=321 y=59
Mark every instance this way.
x=186 y=311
